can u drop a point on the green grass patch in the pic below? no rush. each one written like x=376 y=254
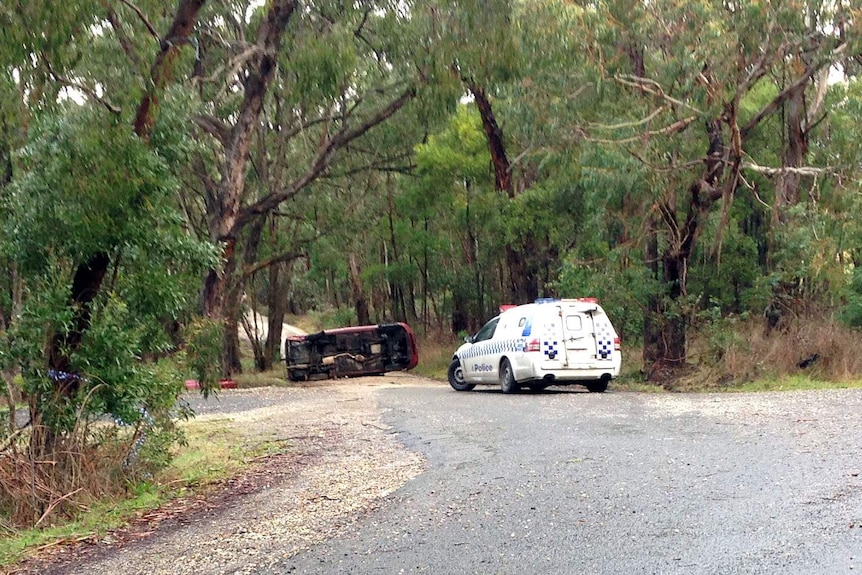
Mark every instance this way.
x=793 y=383
x=211 y=454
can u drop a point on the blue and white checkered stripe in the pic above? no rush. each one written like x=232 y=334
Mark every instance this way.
x=493 y=347
x=550 y=347
x=551 y=341
x=604 y=340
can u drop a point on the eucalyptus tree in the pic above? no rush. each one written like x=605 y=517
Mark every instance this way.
x=486 y=58
x=88 y=221
x=671 y=82
x=341 y=71
x=456 y=220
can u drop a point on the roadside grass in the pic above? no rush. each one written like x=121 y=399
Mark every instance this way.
x=793 y=383
x=435 y=355
x=250 y=378
x=215 y=451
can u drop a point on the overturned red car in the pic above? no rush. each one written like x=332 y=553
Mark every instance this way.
x=351 y=352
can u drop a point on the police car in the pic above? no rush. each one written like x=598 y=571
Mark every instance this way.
x=549 y=342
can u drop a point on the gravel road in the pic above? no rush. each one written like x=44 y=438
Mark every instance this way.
x=558 y=482
x=573 y=482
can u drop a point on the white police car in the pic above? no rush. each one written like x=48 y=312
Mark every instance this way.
x=549 y=342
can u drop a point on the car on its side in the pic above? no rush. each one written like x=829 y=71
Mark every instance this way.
x=549 y=342
x=350 y=352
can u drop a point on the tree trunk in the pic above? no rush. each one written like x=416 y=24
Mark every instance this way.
x=236 y=290
x=233 y=285
x=276 y=308
x=672 y=344
x=163 y=67
x=425 y=294
x=360 y=303
x=225 y=209
x=787 y=193
x=796 y=147
x=523 y=283
x=460 y=321
x=652 y=315
x=471 y=253
x=5 y=180
x=276 y=303
x=702 y=195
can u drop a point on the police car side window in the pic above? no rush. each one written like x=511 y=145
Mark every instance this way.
x=487 y=331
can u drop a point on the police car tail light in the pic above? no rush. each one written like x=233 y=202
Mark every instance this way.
x=533 y=345
x=616 y=344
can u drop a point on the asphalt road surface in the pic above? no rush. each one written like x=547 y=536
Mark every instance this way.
x=571 y=482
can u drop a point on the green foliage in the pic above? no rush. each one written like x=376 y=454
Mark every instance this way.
x=86 y=185
x=720 y=332
x=851 y=313
x=623 y=290
x=202 y=352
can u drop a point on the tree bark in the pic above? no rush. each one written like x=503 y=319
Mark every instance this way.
x=5 y=180
x=396 y=289
x=360 y=303
x=276 y=302
x=702 y=195
x=163 y=67
x=523 y=282
x=276 y=309
x=652 y=320
x=234 y=309
x=796 y=147
x=221 y=284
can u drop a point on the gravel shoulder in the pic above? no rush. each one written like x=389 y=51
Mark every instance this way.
x=340 y=462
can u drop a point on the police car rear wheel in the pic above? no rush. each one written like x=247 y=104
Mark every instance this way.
x=598 y=386
x=507 y=378
x=456 y=377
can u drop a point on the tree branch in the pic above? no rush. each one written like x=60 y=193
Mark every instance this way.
x=801 y=171
x=214 y=127
x=116 y=110
x=789 y=90
x=326 y=150
x=279 y=259
x=634 y=124
x=125 y=43
x=144 y=19
x=652 y=87
x=675 y=128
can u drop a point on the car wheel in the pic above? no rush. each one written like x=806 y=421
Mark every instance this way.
x=297 y=375
x=456 y=377
x=598 y=386
x=507 y=378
